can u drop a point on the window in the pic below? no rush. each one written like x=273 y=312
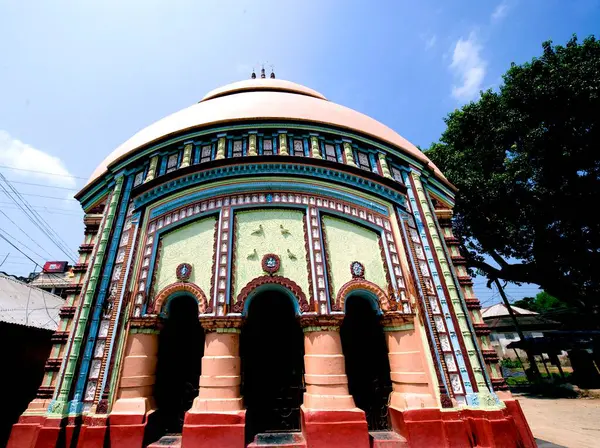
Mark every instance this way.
x=363 y=161
x=397 y=175
x=267 y=147
x=298 y=148
x=330 y=153
x=205 y=154
x=139 y=178
x=237 y=149
x=172 y=162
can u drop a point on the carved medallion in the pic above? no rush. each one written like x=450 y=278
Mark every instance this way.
x=183 y=272
x=271 y=263
x=357 y=269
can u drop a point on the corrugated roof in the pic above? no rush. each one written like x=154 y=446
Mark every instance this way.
x=22 y=304
x=500 y=309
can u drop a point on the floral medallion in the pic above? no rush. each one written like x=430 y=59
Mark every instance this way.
x=271 y=263
x=183 y=272
x=357 y=269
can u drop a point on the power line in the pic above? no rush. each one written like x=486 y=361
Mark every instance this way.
x=26 y=234
x=42 y=185
x=42 y=172
x=10 y=205
x=48 y=197
x=9 y=242
x=35 y=217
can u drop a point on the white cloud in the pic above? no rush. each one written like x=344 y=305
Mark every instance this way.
x=16 y=154
x=430 y=41
x=468 y=67
x=501 y=11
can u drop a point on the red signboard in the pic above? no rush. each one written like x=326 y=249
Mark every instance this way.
x=55 y=266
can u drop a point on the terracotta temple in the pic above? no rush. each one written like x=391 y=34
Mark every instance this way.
x=269 y=268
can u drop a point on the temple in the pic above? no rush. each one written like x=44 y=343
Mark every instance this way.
x=269 y=268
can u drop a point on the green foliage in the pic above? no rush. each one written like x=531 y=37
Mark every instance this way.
x=526 y=160
x=511 y=363
x=542 y=303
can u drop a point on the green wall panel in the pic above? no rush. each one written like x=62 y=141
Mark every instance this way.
x=348 y=242
x=259 y=232
x=194 y=244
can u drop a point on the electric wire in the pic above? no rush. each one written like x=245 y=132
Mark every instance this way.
x=35 y=217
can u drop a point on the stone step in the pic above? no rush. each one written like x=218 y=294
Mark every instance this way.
x=170 y=440
x=387 y=439
x=279 y=439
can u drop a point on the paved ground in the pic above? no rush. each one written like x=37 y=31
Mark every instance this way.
x=572 y=423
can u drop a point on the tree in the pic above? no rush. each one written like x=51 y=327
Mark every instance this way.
x=526 y=161
x=542 y=303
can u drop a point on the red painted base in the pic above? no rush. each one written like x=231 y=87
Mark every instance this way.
x=25 y=432
x=505 y=428
x=214 y=429
x=339 y=428
x=92 y=433
x=127 y=431
x=464 y=428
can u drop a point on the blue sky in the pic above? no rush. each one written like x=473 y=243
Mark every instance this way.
x=79 y=78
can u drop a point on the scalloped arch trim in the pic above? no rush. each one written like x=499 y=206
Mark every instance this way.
x=293 y=287
x=359 y=284
x=176 y=287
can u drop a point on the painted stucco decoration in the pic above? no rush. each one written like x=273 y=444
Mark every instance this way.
x=266 y=192
x=183 y=272
x=360 y=284
x=294 y=288
x=182 y=287
x=271 y=263
x=357 y=269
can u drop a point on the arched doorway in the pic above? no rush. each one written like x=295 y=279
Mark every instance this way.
x=272 y=352
x=367 y=364
x=180 y=351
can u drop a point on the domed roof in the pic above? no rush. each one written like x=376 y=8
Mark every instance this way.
x=262 y=99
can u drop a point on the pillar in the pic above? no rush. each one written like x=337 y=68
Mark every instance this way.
x=411 y=383
x=329 y=415
x=348 y=154
x=135 y=397
x=217 y=416
x=314 y=147
x=187 y=155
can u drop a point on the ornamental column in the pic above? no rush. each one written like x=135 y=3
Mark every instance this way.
x=217 y=416
x=135 y=397
x=329 y=415
x=411 y=382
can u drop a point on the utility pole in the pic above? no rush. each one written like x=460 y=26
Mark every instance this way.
x=530 y=357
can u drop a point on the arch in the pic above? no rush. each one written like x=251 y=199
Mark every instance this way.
x=178 y=288
x=289 y=287
x=359 y=284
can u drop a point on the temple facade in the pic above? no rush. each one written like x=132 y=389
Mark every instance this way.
x=269 y=268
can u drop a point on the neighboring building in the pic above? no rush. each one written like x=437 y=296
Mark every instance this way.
x=56 y=277
x=503 y=330
x=28 y=318
x=267 y=261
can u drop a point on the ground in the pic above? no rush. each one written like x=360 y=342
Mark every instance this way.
x=568 y=422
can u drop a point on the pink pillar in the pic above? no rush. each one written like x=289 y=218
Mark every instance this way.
x=329 y=415
x=411 y=381
x=135 y=397
x=217 y=417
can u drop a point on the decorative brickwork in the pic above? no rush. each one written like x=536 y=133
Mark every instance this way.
x=173 y=288
x=238 y=306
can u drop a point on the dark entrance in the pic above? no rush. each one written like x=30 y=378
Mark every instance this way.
x=367 y=364
x=180 y=350
x=272 y=351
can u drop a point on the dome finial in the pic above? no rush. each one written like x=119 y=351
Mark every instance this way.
x=262 y=72
x=253 y=75
x=272 y=73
